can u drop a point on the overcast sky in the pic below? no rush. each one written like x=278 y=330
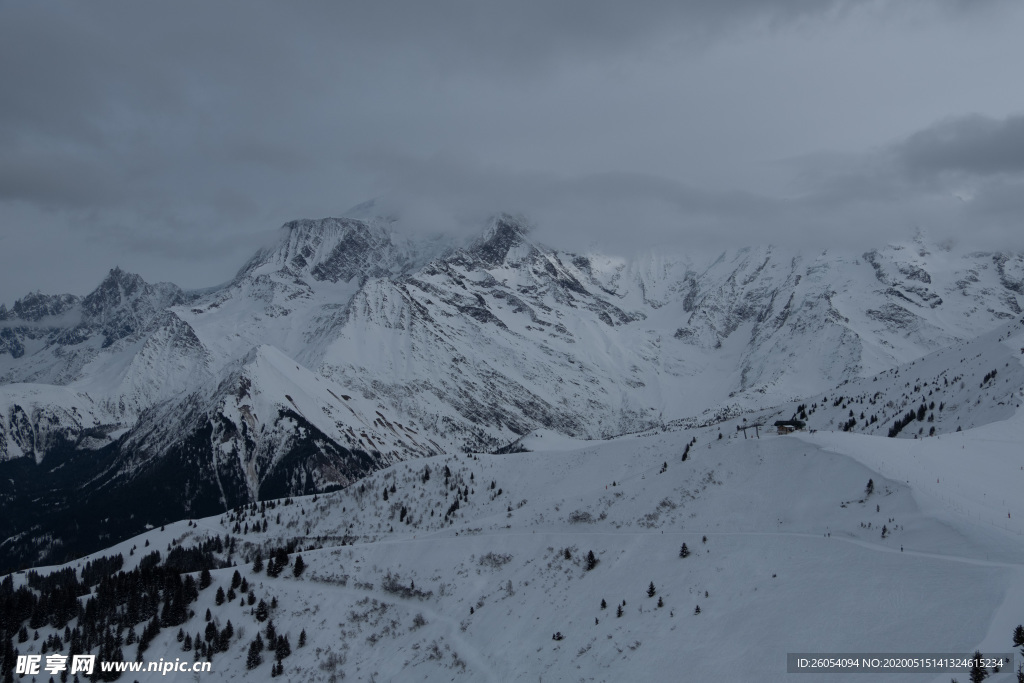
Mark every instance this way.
x=173 y=139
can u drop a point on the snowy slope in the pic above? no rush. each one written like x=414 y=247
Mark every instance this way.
x=794 y=560
x=968 y=384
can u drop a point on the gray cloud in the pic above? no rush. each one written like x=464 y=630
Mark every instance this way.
x=626 y=212
x=971 y=145
x=962 y=176
x=961 y=179
x=171 y=139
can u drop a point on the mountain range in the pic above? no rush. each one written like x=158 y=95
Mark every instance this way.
x=348 y=347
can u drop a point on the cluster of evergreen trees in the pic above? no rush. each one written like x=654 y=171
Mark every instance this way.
x=155 y=593
x=277 y=563
x=276 y=643
x=258 y=514
x=911 y=415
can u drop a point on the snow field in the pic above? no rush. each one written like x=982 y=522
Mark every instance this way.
x=786 y=566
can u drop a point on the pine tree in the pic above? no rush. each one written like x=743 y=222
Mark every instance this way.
x=262 y=611
x=1018 y=636
x=224 y=637
x=978 y=672
x=212 y=635
x=302 y=636
x=650 y=590
x=204 y=579
x=618 y=612
x=257 y=564
x=284 y=648
x=220 y=595
x=661 y=603
x=299 y=567
x=870 y=487
x=9 y=659
x=253 y=659
x=697 y=610
x=684 y=551
x=604 y=605
x=591 y=560
x=271 y=633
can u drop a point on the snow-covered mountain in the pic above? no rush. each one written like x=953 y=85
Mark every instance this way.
x=346 y=348
x=491 y=457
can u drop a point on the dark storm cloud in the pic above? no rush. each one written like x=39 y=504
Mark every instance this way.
x=966 y=156
x=972 y=145
x=963 y=177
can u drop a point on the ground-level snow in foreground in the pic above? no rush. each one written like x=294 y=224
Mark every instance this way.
x=787 y=554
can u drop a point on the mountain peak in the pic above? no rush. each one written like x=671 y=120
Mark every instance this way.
x=124 y=303
x=36 y=306
x=124 y=278
x=326 y=249
x=117 y=286
x=340 y=249
x=503 y=234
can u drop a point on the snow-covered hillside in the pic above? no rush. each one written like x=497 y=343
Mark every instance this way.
x=444 y=348
x=970 y=383
x=787 y=552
